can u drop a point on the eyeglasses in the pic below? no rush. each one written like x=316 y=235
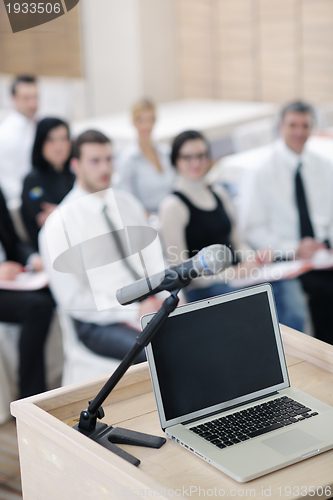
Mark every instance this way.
x=199 y=157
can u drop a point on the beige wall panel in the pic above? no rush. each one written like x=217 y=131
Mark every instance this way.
x=195 y=43
x=279 y=94
x=319 y=68
x=265 y=49
x=193 y=91
x=231 y=13
x=317 y=54
x=317 y=94
x=277 y=10
x=278 y=37
x=318 y=36
x=197 y=75
x=235 y=90
x=52 y=49
x=159 y=44
x=193 y=12
x=236 y=67
x=237 y=93
x=311 y=51
x=230 y=41
x=283 y=64
x=315 y=81
x=317 y=11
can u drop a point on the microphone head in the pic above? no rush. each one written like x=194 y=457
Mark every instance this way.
x=214 y=259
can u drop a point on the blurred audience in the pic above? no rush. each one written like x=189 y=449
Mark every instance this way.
x=197 y=215
x=94 y=216
x=51 y=179
x=17 y=133
x=32 y=310
x=144 y=168
x=286 y=203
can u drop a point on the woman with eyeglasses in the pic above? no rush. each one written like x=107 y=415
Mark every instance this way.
x=51 y=179
x=196 y=215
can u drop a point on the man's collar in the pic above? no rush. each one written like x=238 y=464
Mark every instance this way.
x=292 y=159
x=21 y=116
x=96 y=200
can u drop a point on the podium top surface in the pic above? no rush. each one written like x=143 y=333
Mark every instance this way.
x=58 y=462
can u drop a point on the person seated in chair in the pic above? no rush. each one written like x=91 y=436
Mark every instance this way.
x=50 y=179
x=32 y=310
x=286 y=203
x=85 y=277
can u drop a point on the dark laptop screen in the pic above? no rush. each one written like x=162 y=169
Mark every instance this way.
x=216 y=354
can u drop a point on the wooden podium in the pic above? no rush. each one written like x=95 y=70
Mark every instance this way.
x=58 y=463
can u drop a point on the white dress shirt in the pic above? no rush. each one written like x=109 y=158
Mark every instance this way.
x=17 y=134
x=268 y=212
x=137 y=175
x=84 y=282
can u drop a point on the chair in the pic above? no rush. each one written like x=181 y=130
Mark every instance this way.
x=80 y=362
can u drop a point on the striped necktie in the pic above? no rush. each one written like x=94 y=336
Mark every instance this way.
x=120 y=246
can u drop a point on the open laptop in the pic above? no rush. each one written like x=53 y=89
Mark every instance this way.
x=222 y=389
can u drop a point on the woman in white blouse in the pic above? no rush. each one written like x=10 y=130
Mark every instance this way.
x=144 y=168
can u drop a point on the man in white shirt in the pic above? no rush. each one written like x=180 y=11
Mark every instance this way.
x=287 y=204
x=83 y=246
x=17 y=134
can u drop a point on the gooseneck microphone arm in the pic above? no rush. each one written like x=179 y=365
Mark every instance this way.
x=106 y=435
x=210 y=260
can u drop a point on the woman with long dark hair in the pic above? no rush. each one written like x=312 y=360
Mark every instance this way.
x=51 y=179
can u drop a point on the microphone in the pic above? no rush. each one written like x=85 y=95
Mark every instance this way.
x=210 y=260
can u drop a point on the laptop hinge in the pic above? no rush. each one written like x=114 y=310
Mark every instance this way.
x=230 y=408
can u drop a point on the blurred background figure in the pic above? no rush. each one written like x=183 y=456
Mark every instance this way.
x=144 y=167
x=196 y=215
x=51 y=179
x=32 y=310
x=17 y=132
x=286 y=203
x=109 y=330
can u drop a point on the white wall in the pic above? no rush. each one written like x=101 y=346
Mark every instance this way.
x=129 y=51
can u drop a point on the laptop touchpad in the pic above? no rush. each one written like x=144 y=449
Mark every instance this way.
x=291 y=442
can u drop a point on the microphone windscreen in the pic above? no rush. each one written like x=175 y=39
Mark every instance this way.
x=216 y=258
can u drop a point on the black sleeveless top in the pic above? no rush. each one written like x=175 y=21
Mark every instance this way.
x=206 y=227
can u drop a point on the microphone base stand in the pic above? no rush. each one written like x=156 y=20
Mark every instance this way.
x=109 y=436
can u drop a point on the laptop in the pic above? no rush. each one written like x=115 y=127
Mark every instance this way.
x=222 y=388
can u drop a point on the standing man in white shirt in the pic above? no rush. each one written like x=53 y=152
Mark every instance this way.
x=83 y=245
x=287 y=204
x=17 y=133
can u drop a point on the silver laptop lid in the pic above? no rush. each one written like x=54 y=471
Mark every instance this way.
x=215 y=354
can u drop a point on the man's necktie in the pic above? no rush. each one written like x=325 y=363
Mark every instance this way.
x=305 y=224
x=120 y=246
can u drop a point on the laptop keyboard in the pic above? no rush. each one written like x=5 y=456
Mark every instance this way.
x=253 y=422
